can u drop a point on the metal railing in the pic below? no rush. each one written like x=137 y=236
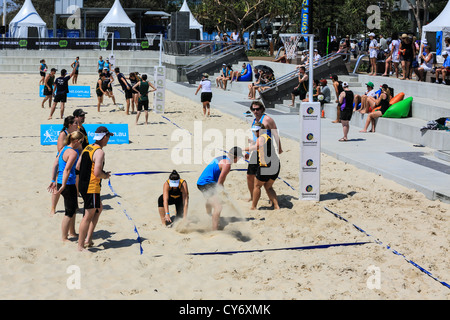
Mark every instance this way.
x=194 y=47
x=287 y=77
x=225 y=51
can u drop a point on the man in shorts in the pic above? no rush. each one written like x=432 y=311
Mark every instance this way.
x=61 y=90
x=90 y=166
x=126 y=87
x=143 y=91
x=48 y=87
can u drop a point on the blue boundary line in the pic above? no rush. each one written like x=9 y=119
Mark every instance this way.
x=428 y=273
x=141 y=250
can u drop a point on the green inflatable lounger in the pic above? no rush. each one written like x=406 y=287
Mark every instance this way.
x=400 y=109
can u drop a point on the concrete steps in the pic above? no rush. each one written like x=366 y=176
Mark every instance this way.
x=27 y=61
x=424 y=108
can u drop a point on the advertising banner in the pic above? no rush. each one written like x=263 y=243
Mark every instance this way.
x=160 y=84
x=309 y=151
x=50 y=132
x=304 y=29
x=74 y=91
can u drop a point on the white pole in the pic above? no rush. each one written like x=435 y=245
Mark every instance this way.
x=160 y=49
x=112 y=46
x=311 y=65
x=4 y=17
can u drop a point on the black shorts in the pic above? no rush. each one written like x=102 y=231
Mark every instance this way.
x=76 y=71
x=208 y=190
x=206 y=96
x=42 y=73
x=178 y=202
x=142 y=105
x=99 y=93
x=252 y=164
x=70 y=195
x=128 y=94
x=298 y=92
x=47 y=92
x=346 y=114
x=91 y=200
x=60 y=98
x=267 y=173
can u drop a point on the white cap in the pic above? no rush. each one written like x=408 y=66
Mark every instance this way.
x=174 y=183
x=344 y=84
x=371 y=34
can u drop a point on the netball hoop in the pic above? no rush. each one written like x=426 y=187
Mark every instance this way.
x=150 y=38
x=290 y=42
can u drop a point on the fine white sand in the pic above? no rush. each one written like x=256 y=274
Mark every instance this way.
x=37 y=265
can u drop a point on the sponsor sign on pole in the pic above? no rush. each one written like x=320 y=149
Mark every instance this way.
x=310 y=151
x=160 y=93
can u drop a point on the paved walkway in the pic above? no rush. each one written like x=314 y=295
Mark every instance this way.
x=409 y=165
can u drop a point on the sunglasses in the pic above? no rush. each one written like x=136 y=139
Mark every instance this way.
x=255 y=109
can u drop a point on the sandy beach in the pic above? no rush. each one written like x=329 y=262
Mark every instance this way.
x=36 y=264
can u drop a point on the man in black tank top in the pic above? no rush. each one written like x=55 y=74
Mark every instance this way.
x=48 y=87
x=126 y=87
x=61 y=91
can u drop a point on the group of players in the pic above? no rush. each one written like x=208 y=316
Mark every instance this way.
x=136 y=87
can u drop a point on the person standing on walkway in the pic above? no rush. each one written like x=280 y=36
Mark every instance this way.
x=90 y=166
x=258 y=110
x=206 y=96
x=143 y=101
x=346 y=100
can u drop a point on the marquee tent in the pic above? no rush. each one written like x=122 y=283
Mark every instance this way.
x=27 y=23
x=193 y=23
x=117 y=18
x=441 y=23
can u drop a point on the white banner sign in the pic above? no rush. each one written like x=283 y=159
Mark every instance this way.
x=309 y=151
x=160 y=93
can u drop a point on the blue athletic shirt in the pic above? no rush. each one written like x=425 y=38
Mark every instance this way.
x=212 y=172
x=101 y=64
x=62 y=165
x=269 y=132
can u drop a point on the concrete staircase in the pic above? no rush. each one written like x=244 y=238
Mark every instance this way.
x=424 y=109
x=430 y=102
x=27 y=61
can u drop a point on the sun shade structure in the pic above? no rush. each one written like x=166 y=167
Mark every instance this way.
x=441 y=23
x=117 y=18
x=193 y=23
x=27 y=23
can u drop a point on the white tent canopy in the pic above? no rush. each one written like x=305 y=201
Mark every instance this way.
x=25 y=19
x=116 y=18
x=193 y=23
x=441 y=23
